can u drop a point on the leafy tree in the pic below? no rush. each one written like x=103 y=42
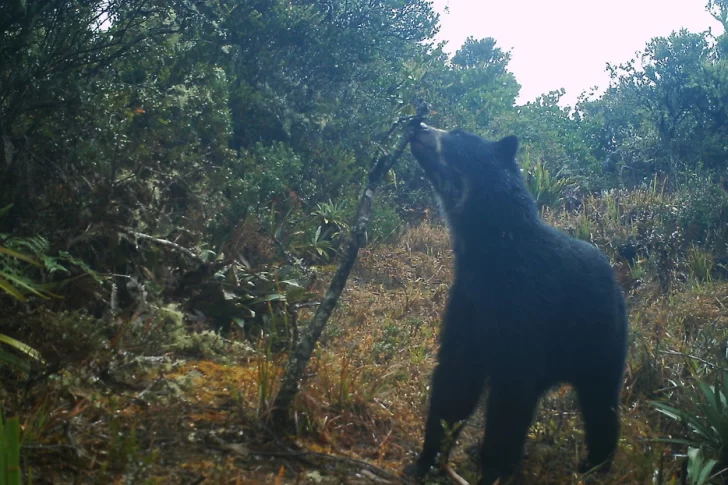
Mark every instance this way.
x=471 y=89
x=718 y=9
x=320 y=76
x=664 y=112
x=480 y=84
x=51 y=52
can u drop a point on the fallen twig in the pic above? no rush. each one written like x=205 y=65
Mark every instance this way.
x=302 y=455
x=80 y=452
x=343 y=459
x=165 y=243
x=690 y=356
x=454 y=476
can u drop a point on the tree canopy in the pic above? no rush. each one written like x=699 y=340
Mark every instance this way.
x=208 y=155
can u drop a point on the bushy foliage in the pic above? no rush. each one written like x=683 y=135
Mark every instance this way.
x=386 y=224
x=265 y=177
x=157 y=152
x=547 y=189
x=706 y=417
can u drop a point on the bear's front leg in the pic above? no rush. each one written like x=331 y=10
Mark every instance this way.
x=457 y=383
x=510 y=410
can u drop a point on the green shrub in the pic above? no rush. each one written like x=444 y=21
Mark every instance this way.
x=701 y=210
x=548 y=189
x=707 y=420
x=265 y=176
x=386 y=224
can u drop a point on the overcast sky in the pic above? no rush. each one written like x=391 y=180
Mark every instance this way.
x=567 y=43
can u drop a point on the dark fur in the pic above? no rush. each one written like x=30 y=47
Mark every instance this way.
x=530 y=307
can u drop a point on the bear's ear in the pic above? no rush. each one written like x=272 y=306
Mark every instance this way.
x=507 y=147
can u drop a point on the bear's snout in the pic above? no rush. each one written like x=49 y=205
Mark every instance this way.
x=427 y=138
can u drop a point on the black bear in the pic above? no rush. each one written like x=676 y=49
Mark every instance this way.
x=529 y=307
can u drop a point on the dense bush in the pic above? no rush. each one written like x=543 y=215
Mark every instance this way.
x=175 y=167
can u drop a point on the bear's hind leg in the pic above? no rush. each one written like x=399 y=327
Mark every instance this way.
x=457 y=384
x=599 y=401
x=509 y=413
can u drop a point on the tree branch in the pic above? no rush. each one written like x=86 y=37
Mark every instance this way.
x=299 y=359
x=165 y=243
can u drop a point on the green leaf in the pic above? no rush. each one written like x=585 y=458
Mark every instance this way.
x=297 y=294
x=20 y=346
x=674 y=441
x=3 y=455
x=12 y=451
x=271 y=297
x=21 y=256
x=706 y=471
x=713 y=403
x=24 y=285
x=318 y=234
x=291 y=283
x=14 y=361
x=10 y=289
x=698 y=468
x=670 y=411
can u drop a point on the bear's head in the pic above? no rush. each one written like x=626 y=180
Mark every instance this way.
x=477 y=181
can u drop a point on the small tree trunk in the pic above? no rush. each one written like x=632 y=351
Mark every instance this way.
x=299 y=358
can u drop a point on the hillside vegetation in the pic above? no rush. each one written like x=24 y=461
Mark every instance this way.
x=178 y=181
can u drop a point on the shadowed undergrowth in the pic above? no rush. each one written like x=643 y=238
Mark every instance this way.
x=145 y=400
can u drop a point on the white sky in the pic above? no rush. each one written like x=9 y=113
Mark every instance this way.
x=567 y=43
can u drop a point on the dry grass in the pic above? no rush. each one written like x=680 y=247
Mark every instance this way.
x=367 y=388
x=387 y=328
